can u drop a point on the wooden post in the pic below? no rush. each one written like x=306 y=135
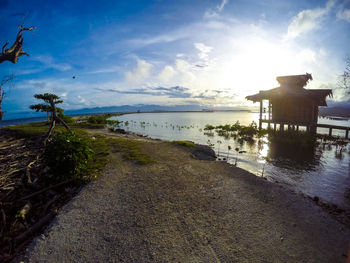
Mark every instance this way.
x=274 y=127
x=330 y=132
x=346 y=134
x=269 y=110
x=260 y=117
x=288 y=127
x=297 y=127
x=282 y=127
x=313 y=129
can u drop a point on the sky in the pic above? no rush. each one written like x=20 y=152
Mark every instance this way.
x=211 y=53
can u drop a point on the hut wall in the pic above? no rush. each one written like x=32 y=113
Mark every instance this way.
x=294 y=111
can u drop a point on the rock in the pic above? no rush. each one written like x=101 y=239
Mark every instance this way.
x=316 y=199
x=122 y=131
x=203 y=152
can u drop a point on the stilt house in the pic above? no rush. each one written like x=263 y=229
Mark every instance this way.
x=291 y=103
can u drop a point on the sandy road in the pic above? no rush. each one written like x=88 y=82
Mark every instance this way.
x=185 y=210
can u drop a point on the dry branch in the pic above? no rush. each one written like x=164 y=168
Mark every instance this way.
x=45 y=189
x=15 y=51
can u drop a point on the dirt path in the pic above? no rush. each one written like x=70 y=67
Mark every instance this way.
x=185 y=210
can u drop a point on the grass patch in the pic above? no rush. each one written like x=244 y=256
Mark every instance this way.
x=132 y=150
x=184 y=143
x=100 y=158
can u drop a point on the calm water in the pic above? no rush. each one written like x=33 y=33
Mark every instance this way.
x=320 y=171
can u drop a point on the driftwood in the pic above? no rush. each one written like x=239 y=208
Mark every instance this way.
x=34 y=228
x=45 y=189
x=15 y=51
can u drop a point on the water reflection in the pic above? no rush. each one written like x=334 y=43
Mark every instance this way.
x=295 y=156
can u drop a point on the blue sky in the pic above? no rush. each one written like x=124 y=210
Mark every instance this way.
x=211 y=53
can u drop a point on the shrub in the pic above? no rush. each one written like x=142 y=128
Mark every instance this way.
x=99 y=119
x=67 y=155
x=66 y=118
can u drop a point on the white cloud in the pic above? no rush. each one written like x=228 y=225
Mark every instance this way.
x=182 y=65
x=167 y=73
x=222 y=5
x=49 y=62
x=105 y=70
x=140 y=72
x=204 y=50
x=307 y=20
x=211 y=13
x=82 y=100
x=344 y=14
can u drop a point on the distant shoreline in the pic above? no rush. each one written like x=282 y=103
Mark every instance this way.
x=17 y=121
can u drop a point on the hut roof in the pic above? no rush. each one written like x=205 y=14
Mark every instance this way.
x=292 y=87
x=318 y=95
x=294 y=80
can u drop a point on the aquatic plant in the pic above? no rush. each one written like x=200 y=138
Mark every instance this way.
x=210 y=144
x=237 y=151
x=266 y=159
x=209 y=127
x=219 y=143
x=228 y=151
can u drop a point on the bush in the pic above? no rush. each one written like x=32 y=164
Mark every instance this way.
x=97 y=119
x=67 y=119
x=64 y=117
x=67 y=155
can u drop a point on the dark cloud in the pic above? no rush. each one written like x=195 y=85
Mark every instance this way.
x=171 y=92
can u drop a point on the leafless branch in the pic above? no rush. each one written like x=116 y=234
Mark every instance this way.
x=15 y=51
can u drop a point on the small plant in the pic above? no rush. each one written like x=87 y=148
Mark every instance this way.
x=211 y=145
x=67 y=155
x=219 y=143
x=237 y=151
x=228 y=151
x=266 y=159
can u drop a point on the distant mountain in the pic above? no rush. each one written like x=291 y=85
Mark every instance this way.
x=340 y=109
x=121 y=109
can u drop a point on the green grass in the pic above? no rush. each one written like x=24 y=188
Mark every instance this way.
x=184 y=143
x=132 y=150
x=100 y=158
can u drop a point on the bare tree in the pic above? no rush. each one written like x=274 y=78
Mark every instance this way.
x=344 y=79
x=15 y=51
x=6 y=80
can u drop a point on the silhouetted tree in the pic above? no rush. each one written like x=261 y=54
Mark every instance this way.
x=50 y=106
x=6 y=80
x=15 y=51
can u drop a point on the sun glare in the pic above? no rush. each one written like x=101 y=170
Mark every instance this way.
x=256 y=66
